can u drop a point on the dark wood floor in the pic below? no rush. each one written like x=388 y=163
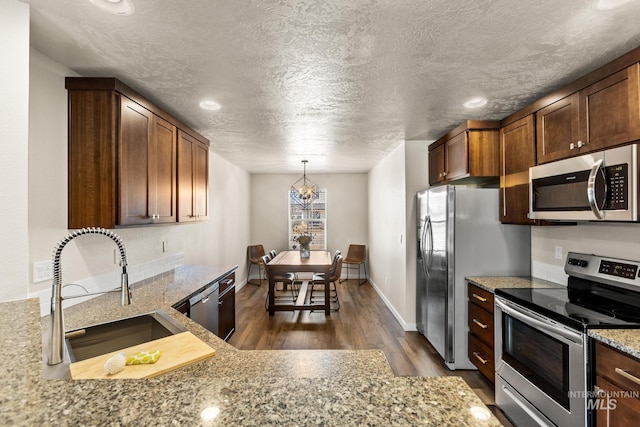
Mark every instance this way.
x=363 y=322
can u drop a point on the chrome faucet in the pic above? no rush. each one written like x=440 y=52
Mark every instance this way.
x=56 y=327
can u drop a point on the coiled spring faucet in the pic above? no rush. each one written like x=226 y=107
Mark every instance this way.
x=56 y=327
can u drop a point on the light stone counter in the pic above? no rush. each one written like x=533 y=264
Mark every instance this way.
x=491 y=283
x=625 y=340
x=289 y=387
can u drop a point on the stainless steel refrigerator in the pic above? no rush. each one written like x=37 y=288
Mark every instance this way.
x=459 y=235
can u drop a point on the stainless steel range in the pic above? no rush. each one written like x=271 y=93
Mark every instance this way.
x=542 y=352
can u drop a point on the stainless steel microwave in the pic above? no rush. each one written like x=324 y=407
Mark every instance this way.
x=601 y=186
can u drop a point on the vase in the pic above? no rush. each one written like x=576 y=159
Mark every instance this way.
x=304 y=251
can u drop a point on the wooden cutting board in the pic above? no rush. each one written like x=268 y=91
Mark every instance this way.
x=176 y=351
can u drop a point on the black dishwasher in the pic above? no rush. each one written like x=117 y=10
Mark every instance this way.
x=227 y=308
x=203 y=307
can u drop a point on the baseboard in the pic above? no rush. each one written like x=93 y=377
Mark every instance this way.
x=405 y=326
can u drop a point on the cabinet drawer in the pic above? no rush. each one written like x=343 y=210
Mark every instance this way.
x=227 y=282
x=618 y=368
x=481 y=324
x=481 y=298
x=482 y=356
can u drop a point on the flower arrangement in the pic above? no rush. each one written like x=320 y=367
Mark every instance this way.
x=304 y=239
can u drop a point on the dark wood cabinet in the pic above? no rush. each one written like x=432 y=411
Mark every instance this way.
x=480 y=338
x=617 y=386
x=193 y=176
x=610 y=110
x=467 y=154
x=227 y=308
x=601 y=115
x=147 y=172
x=517 y=155
x=122 y=157
x=558 y=129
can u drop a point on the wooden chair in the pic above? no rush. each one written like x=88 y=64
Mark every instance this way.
x=334 y=277
x=254 y=257
x=356 y=256
x=287 y=279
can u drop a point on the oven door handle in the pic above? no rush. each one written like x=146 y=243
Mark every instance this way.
x=591 y=189
x=523 y=317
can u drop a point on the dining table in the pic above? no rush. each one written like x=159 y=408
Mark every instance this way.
x=291 y=262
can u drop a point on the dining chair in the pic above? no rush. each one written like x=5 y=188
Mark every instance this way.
x=356 y=256
x=254 y=257
x=334 y=278
x=287 y=280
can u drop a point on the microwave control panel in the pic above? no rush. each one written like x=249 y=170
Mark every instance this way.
x=617 y=186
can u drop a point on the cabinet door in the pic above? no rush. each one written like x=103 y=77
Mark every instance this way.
x=456 y=156
x=517 y=155
x=558 y=130
x=193 y=178
x=135 y=135
x=201 y=181
x=610 y=110
x=162 y=171
x=436 y=165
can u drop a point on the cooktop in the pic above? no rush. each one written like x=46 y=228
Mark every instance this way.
x=600 y=293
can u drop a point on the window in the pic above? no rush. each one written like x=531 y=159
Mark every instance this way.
x=308 y=217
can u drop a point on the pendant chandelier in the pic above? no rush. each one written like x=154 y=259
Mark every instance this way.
x=306 y=189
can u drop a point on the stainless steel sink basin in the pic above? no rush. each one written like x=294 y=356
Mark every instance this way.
x=96 y=340
x=92 y=341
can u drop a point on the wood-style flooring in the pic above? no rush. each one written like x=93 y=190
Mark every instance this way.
x=363 y=322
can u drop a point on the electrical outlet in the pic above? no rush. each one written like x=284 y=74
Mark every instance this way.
x=42 y=270
x=558 y=252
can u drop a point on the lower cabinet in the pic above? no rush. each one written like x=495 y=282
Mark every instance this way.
x=618 y=387
x=480 y=344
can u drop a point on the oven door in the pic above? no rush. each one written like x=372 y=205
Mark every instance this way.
x=594 y=187
x=540 y=368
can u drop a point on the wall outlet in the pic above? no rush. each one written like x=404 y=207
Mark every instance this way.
x=559 y=252
x=42 y=270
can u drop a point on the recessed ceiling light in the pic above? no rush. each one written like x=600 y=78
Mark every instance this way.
x=210 y=105
x=475 y=102
x=609 y=4
x=116 y=7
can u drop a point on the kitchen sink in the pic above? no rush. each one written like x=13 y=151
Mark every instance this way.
x=96 y=340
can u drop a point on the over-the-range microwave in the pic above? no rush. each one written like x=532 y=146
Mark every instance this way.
x=601 y=186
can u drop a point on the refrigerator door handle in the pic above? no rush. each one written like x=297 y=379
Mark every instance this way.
x=428 y=253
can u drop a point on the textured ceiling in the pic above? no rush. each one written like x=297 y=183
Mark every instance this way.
x=339 y=82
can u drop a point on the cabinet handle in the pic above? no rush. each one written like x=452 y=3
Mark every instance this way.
x=482 y=325
x=444 y=174
x=479 y=298
x=477 y=355
x=627 y=375
x=572 y=146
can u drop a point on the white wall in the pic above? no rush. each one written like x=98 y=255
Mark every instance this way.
x=610 y=239
x=416 y=179
x=222 y=240
x=347 y=209
x=14 y=122
x=387 y=234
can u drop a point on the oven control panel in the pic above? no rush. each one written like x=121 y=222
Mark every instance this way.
x=619 y=269
x=617 y=272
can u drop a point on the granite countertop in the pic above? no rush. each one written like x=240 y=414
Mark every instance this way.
x=625 y=340
x=283 y=387
x=491 y=283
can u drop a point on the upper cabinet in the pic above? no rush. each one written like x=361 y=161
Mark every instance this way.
x=123 y=158
x=517 y=155
x=603 y=114
x=467 y=154
x=193 y=172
